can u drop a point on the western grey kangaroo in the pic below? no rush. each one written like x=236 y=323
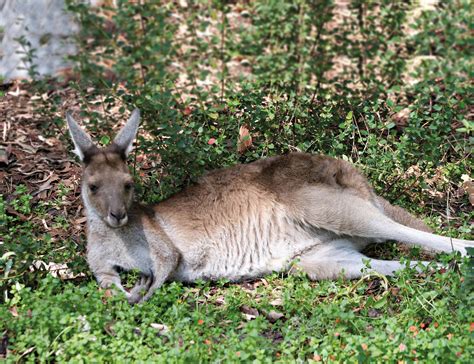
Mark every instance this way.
x=239 y=222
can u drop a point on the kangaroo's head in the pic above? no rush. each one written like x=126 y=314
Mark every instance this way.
x=107 y=186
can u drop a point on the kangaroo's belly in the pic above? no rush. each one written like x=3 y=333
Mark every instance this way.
x=246 y=248
x=247 y=264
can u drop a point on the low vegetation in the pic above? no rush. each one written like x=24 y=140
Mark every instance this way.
x=386 y=87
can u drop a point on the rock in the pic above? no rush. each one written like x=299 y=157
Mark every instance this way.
x=43 y=26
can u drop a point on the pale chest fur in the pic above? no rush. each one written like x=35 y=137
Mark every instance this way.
x=127 y=248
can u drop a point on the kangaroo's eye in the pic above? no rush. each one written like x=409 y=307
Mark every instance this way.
x=93 y=188
x=128 y=186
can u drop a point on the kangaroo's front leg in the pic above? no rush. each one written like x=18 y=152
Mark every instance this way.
x=165 y=260
x=140 y=289
x=107 y=277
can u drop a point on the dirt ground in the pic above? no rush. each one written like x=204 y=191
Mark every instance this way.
x=33 y=153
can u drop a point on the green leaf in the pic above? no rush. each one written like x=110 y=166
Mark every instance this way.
x=105 y=140
x=349 y=116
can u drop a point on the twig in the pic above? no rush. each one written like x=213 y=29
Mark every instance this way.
x=142 y=27
x=300 y=41
x=311 y=53
x=26 y=352
x=360 y=18
x=223 y=22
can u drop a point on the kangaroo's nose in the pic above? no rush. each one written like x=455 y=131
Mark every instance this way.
x=118 y=215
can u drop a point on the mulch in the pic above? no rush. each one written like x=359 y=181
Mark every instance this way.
x=33 y=153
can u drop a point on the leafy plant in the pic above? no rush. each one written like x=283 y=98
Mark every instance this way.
x=273 y=77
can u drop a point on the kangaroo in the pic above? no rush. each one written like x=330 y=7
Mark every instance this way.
x=239 y=222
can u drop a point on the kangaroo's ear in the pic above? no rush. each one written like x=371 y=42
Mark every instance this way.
x=126 y=136
x=82 y=141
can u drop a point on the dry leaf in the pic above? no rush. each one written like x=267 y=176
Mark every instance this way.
x=108 y=293
x=109 y=328
x=273 y=316
x=469 y=188
x=245 y=139
x=220 y=301
x=162 y=329
x=46 y=185
x=4 y=154
x=57 y=270
x=13 y=311
x=17 y=92
x=80 y=221
x=277 y=302
x=401 y=118
x=249 y=313
x=373 y=312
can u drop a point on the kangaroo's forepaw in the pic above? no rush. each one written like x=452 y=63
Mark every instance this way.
x=137 y=293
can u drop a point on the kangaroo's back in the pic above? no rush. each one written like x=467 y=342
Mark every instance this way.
x=287 y=173
x=278 y=178
x=223 y=196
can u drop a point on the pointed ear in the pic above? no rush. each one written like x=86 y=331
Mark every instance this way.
x=124 y=139
x=82 y=140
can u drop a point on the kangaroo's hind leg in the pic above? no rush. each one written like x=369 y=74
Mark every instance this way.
x=341 y=257
x=402 y=216
x=345 y=213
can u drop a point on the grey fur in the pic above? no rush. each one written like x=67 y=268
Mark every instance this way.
x=81 y=139
x=124 y=139
x=241 y=222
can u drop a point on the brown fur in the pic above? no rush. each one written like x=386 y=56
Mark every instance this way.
x=239 y=222
x=402 y=216
x=108 y=172
x=295 y=170
x=278 y=178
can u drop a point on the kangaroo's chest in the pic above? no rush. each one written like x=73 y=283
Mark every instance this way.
x=127 y=249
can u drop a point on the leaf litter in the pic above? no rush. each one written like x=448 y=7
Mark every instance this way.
x=31 y=157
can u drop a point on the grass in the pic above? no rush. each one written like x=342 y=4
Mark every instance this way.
x=410 y=317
